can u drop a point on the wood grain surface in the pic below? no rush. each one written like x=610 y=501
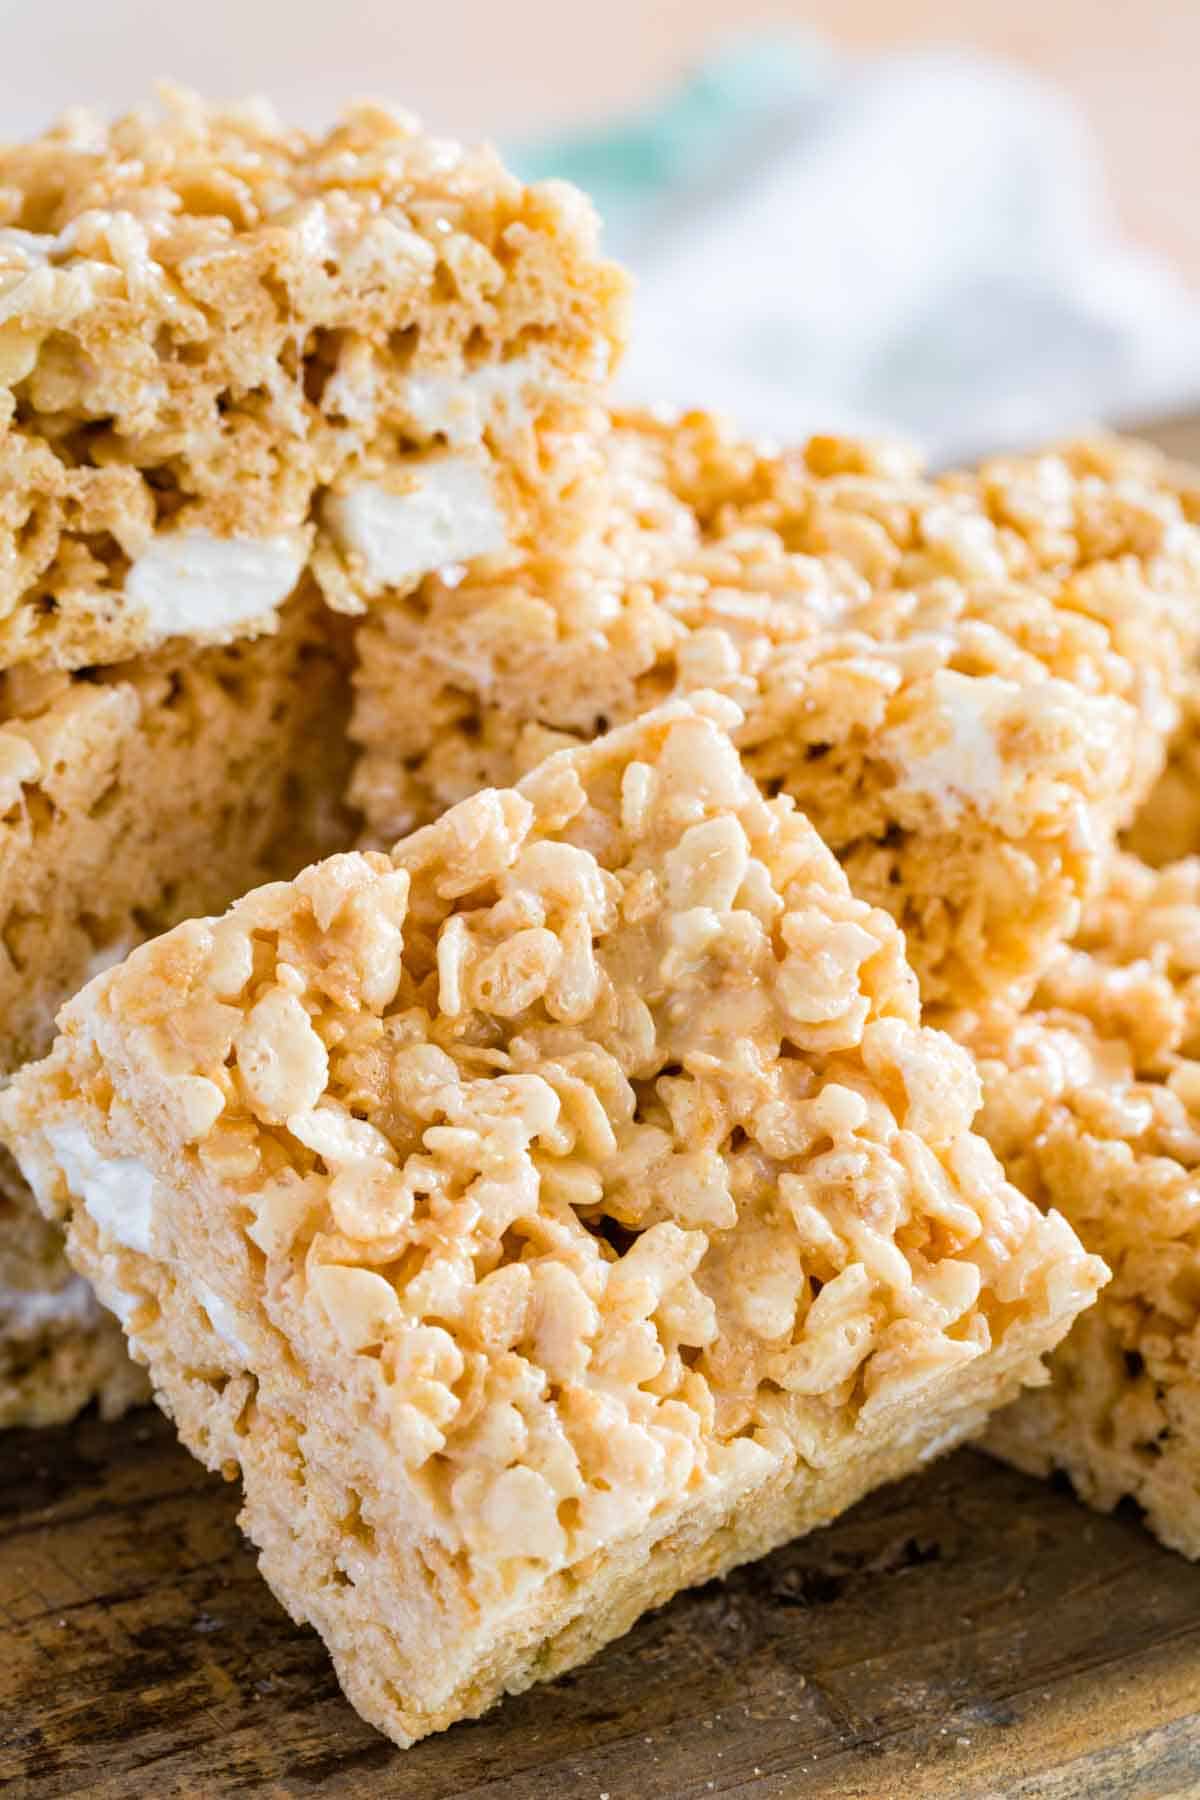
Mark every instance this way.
x=967 y=1633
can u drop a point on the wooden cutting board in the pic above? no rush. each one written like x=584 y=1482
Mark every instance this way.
x=966 y=1633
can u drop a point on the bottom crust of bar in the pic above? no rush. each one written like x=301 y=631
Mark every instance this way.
x=581 y=1610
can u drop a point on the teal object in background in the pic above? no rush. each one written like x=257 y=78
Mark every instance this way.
x=917 y=242
x=644 y=165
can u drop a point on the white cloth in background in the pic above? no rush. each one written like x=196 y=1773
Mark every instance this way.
x=917 y=242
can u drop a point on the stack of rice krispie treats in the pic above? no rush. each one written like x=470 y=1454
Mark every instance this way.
x=136 y=794
x=246 y=375
x=541 y=1186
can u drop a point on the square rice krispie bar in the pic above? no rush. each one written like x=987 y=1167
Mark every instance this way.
x=558 y=1211
x=132 y=797
x=1092 y=1100
x=229 y=348
x=965 y=683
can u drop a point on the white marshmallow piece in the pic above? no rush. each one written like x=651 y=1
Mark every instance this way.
x=26 y=1312
x=118 y=1191
x=192 y=584
x=225 y=1319
x=449 y=515
x=460 y=407
x=962 y=765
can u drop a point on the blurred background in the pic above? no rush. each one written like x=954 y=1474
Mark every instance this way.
x=977 y=220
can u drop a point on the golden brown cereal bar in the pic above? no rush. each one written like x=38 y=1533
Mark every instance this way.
x=1092 y=1100
x=965 y=683
x=556 y=1212
x=229 y=348
x=132 y=797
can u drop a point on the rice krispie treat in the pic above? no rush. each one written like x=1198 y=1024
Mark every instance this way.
x=965 y=683
x=556 y=1212
x=230 y=353
x=229 y=348
x=132 y=797
x=1167 y=827
x=1092 y=1100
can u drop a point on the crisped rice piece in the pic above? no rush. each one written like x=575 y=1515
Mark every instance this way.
x=556 y=1212
x=229 y=348
x=130 y=798
x=1092 y=1100
x=965 y=683
x=1167 y=826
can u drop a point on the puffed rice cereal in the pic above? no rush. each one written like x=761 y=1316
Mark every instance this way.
x=1167 y=827
x=559 y=1210
x=1092 y=1101
x=230 y=349
x=966 y=683
x=133 y=797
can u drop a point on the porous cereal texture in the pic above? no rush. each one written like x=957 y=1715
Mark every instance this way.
x=1167 y=826
x=130 y=798
x=965 y=683
x=558 y=1211
x=209 y=319
x=1092 y=1100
